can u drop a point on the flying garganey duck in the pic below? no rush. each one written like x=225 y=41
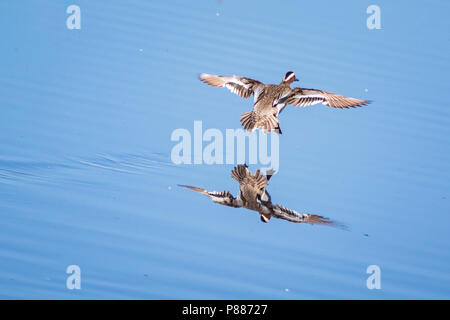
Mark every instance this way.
x=270 y=99
x=253 y=196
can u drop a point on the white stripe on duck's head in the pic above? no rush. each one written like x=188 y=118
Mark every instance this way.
x=290 y=77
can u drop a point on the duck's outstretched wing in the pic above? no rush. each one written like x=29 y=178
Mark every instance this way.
x=242 y=86
x=224 y=197
x=305 y=97
x=293 y=216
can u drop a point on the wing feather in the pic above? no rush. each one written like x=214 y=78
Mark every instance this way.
x=306 y=97
x=224 y=197
x=293 y=216
x=242 y=86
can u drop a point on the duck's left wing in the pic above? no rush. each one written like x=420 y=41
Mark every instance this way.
x=293 y=216
x=242 y=86
x=306 y=97
x=224 y=197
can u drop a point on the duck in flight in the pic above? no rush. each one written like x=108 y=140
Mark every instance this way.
x=254 y=196
x=270 y=99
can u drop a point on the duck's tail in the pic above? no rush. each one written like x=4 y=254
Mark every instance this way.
x=251 y=121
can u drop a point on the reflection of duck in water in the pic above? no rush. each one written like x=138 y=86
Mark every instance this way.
x=253 y=196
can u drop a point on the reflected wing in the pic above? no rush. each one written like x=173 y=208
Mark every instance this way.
x=224 y=197
x=293 y=216
x=243 y=87
x=307 y=97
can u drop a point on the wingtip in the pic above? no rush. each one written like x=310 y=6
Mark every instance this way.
x=339 y=225
x=186 y=186
x=364 y=103
x=202 y=76
x=201 y=190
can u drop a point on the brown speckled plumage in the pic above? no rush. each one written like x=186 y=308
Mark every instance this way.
x=270 y=99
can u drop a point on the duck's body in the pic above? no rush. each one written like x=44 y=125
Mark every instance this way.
x=270 y=99
x=252 y=188
x=268 y=105
x=253 y=196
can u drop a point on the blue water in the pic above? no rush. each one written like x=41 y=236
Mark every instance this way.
x=86 y=176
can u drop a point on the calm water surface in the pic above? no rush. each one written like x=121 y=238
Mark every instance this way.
x=86 y=176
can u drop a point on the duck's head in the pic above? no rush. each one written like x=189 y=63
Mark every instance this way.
x=290 y=77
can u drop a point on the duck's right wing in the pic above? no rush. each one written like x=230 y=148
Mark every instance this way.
x=242 y=86
x=224 y=197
